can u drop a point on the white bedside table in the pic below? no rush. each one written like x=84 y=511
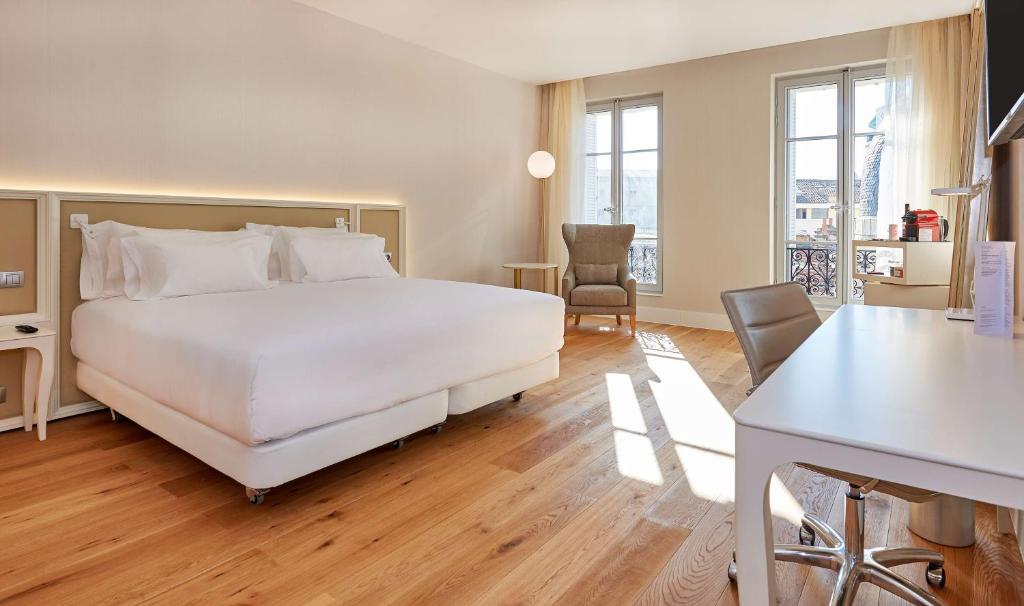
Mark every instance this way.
x=40 y=349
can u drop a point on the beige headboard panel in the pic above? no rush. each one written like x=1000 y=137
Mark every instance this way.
x=211 y=217
x=18 y=253
x=387 y=223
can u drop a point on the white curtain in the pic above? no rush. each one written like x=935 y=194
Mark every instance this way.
x=563 y=131
x=931 y=106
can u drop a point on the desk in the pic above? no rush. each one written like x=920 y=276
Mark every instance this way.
x=897 y=394
x=37 y=377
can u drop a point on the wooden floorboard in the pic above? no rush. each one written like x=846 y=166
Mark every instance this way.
x=611 y=485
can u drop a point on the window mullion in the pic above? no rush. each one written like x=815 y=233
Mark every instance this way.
x=617 y=161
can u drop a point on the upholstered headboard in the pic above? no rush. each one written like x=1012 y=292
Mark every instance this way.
x=193 y=213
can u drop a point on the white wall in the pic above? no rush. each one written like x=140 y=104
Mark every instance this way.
x=272 y=99
x=717 y=133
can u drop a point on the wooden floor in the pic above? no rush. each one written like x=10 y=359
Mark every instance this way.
x=612 y=485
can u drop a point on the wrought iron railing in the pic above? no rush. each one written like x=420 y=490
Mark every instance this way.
x=816 y=269
x=643 y=260
x=865 y=265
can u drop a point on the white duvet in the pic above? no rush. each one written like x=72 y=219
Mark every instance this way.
x=263 y=365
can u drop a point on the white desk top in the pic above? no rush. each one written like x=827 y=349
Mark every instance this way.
x=902 y=381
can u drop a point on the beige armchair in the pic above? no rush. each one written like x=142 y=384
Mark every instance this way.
x=597 y=280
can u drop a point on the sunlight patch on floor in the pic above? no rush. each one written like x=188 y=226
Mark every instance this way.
x=634 y=452
x=622 y=400
x=634 y=455
x=703 y=430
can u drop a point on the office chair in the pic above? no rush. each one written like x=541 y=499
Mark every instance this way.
x=770 y=323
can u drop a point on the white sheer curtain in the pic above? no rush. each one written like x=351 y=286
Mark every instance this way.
x=932 y=103
x=563 y=130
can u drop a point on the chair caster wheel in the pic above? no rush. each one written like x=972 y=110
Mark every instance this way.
x=117 y=417
x=400 y=442
x=936 y=576
x=732 y=568
x=807 y=536
x=517 y=397
x=437 y=428
x=256 y=499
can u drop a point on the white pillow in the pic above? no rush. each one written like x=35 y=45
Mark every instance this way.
x=334 y=259
x=282 y=266
x=113 y=282
x=93 y=273
x=130 y=272
x=176 y=267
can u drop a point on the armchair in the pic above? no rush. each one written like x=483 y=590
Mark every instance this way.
x=597 y=280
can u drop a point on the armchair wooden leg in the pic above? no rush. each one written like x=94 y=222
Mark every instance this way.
x=632 y=324
x=618 y=320
x=577 y=322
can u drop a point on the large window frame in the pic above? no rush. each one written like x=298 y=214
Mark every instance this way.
x=616 y=107
x=845 y=80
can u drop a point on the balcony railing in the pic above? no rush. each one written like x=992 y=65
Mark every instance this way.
x=816 y=269
x=643 y=260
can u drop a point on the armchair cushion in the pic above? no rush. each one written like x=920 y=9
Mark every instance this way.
x=593 y=273
x=599 y=295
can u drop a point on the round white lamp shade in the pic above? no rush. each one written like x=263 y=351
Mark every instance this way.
x=541 y=164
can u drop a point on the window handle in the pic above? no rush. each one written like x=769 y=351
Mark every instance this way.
x=610 y=210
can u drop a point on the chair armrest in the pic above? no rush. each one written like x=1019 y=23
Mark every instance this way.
x=630 y=286
x=568 y=283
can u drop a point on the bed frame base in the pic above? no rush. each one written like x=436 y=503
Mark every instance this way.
x=262 y=466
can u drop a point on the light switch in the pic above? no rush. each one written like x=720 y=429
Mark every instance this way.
x=12 y=279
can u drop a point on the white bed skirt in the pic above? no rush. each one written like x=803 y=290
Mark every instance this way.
x=278 y=461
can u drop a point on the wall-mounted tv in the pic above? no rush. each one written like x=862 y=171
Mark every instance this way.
x=1004 y=20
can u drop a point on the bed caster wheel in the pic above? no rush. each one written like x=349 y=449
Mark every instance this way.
x=435 y=429
x=807 y=536
x=518 y=396
x=400 y=442
x=732 y=568
x=936 y=576
x=256 y=495
x=118 y=417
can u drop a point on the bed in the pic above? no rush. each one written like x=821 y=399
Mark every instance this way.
x=267 y=386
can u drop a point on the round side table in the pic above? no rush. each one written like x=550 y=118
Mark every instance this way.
x=517 y=273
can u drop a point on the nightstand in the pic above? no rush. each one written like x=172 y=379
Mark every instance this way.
x=40 y=350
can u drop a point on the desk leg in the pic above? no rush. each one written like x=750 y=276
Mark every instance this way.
x=45 y=383
x=30 y=385
x=755 y=547
x=517 y=278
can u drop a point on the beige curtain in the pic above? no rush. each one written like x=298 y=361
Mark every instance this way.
x=932 y=86
x=563 y=124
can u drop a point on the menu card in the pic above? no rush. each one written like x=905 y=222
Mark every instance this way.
x=993 y=289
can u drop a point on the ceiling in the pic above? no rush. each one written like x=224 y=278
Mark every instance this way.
x=548 y=40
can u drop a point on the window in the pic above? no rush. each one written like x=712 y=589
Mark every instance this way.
x=623 y=178
x=829 y=141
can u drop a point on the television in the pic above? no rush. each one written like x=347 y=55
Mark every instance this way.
x=1004 y=69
